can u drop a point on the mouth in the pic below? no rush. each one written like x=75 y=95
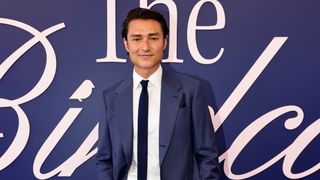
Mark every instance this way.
x=145 y=55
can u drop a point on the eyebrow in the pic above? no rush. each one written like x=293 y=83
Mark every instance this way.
x=154 y=34
x=140 y=35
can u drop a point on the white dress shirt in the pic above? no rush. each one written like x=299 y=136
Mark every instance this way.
x=154 y=95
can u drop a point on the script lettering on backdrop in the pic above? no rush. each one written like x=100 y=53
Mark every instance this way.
x=23 y=131
x=290 y=154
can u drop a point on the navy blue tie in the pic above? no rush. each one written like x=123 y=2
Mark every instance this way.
x=143 y=132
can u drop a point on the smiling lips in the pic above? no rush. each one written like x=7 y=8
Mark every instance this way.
x=145 y=55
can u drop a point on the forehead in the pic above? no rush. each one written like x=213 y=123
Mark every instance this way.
x=144 y=26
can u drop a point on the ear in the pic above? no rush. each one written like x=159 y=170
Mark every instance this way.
x=125 y=43
x=165 y=42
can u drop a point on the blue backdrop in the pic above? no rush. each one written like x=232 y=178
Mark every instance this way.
x=56 y=57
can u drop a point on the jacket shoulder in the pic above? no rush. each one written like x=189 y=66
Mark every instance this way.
x=116 y=88
x=185 y=81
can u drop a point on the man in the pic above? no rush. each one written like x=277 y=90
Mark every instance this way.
x=159 y=128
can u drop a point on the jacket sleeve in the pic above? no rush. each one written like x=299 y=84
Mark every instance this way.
x=103 y=157
x=204 y=139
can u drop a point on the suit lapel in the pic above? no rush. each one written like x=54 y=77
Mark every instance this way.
x=123 y=108
x=170 y=101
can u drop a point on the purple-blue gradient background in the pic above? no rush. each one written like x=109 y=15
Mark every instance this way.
x=290 y=78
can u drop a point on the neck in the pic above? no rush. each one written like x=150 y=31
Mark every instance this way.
x=146 y=73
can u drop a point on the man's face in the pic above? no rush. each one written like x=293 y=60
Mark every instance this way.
x=145 y=44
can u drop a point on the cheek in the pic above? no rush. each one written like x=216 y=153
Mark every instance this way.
x=133 y=49
x=160 y=50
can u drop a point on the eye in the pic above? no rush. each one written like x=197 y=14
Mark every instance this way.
x=136 y=39
x=154 y=38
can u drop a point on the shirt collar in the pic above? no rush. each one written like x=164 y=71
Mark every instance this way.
x=154 y=79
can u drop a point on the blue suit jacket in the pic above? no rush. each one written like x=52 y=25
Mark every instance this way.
x=187 y=140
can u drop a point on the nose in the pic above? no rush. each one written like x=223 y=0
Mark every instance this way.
x=145 y=45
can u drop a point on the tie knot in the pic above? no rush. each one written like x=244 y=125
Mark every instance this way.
x=144 y=84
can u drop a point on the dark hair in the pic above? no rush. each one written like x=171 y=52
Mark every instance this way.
x=146 y=14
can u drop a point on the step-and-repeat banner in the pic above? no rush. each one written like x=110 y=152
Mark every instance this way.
x=258 y=60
